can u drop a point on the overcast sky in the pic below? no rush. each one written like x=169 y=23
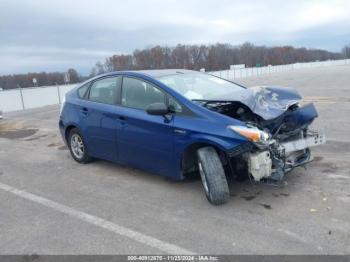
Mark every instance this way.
x=54 y=35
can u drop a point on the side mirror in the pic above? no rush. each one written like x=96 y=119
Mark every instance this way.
x=159 y=109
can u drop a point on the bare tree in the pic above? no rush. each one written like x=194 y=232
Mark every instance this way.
x=43 y=79
x=73 y=75
x=212 y=57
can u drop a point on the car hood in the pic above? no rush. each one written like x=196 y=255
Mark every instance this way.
x=267 y=102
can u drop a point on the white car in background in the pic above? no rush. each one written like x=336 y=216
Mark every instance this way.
x=0 y=114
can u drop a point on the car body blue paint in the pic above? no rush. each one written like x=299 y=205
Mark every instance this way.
x=303 y=116
x=132 y=137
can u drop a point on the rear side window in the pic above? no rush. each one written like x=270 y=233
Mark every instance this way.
x=140 y=94
x=105 y=90
x=82 y=90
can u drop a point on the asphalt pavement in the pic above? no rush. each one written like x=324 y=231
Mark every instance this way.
x=50 y=204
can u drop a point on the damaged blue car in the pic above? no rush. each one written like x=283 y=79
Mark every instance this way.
x=179 y=122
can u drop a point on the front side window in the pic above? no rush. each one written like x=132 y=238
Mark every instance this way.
x=140 y=94
x=105 y=90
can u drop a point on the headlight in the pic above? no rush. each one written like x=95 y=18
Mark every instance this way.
x=251 y=133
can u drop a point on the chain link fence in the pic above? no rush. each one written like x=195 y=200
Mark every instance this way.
x=32 y=97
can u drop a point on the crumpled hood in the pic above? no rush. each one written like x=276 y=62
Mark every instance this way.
x=267 y=102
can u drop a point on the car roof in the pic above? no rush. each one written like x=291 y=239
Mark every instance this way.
x=157 y=72
x=152 y=73
x=165 y=72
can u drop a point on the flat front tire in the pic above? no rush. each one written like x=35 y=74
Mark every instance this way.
x=77 y=147
x=213 y=176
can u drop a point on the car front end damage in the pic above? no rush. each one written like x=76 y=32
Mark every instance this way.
x=277 y=128
x=278 y=158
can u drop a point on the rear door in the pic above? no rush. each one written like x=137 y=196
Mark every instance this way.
x=100 y=116
x=144 y=141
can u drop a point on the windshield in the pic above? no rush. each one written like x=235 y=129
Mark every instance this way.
x=199 y=86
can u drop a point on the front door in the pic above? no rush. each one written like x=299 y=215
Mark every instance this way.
x=144 y=141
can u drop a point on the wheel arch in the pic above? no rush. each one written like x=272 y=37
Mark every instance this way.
x=68 y=129
x=189 y=154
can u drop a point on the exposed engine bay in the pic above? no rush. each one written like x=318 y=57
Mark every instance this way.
x=286 y=123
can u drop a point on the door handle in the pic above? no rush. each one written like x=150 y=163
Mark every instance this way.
x=180 y=131
x=121 y=120
x=84 y=110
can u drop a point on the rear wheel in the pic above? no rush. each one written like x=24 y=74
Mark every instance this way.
x=77 y=147
x=213 y=176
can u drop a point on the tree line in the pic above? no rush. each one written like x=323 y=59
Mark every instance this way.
x=41 y=79
x=210 y=57
x=213 y=57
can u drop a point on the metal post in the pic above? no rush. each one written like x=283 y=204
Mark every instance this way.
x=21 y=93
x=58 y=92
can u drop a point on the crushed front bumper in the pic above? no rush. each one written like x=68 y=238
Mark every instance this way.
x=281 y=157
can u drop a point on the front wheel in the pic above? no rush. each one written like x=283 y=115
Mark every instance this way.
x=213 y=176
x=77 y=147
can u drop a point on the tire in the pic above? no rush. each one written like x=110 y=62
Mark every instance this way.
x=82 y=157
x=213 y=176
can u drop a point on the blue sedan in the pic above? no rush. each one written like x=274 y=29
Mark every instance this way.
x=180 y=122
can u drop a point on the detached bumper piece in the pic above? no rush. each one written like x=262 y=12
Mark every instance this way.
x=281 y=158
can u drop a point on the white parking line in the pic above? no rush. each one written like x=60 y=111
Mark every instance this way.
x=99 y=222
